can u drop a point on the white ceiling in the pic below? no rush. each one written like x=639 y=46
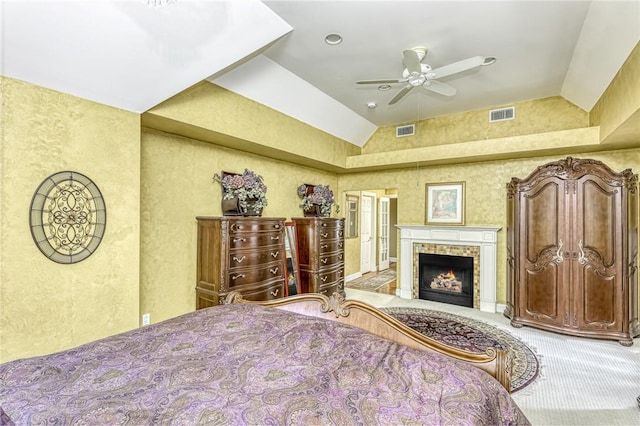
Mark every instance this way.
x=128 y=55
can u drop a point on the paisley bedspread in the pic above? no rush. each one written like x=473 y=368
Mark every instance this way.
x=249 y=365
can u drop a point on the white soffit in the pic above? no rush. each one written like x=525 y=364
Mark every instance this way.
x=610 y=32
x=126 y=54
x=267 y=83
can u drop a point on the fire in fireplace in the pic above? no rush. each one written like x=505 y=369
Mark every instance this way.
x=447 y=279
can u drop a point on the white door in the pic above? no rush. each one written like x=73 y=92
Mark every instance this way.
x=367 y=233
x=383 y=236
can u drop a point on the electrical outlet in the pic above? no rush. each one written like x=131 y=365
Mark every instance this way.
x=146 y=318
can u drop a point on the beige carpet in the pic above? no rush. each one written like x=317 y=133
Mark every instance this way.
x=582 y=381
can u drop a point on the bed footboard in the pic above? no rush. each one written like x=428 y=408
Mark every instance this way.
x=496 y=362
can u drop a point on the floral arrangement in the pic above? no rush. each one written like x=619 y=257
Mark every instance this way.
x=321 y=195
x=248 y=187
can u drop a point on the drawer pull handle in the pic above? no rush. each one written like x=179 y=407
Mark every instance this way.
x=324 y=279
x=340 y=257
x=324 y=261
x=277 y=226
x=275 y=292
x=276 y=238
x=324 y=234
x=235 y=240
x=274 y=270
x=340 y=234
x=324 y=225
x=235 y=277
x=340 y=244
x=324 y=246
x=239 y=260
x=274 y=255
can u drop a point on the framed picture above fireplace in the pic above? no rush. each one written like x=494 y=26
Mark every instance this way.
x=445 y=203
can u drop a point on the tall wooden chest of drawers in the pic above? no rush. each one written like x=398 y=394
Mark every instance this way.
x=320 y=254
x=245 y=254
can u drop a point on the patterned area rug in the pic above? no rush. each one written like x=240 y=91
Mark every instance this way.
x=474 y=336
x=374 y=282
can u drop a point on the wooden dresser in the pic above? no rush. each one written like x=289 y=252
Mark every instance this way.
x=572 y=245
x=246 y=254
x=320 y=254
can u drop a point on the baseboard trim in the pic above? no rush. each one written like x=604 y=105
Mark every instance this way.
x=352 y=277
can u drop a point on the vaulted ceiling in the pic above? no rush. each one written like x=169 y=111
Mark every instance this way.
x=132 y=56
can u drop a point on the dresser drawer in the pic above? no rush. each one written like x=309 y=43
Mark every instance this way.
x=330 y=232
x=244 y=258
x=250 y=276
x=330 y=246
x=331 y=260
x=335 y=287
x=269 y=291
x=255 y=226
x=241 y=240
x=325 y=278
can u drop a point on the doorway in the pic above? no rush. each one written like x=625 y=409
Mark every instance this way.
x=378 y=219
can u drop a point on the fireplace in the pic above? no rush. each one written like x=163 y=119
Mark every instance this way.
x=447 y=279
x=470 y=241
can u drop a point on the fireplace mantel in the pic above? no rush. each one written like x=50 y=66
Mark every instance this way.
x=485 y=237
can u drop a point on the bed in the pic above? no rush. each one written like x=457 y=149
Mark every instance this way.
x=306 y=359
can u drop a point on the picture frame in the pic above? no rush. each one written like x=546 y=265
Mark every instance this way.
x=445 y=203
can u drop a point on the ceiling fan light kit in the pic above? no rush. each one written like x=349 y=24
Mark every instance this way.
x=417 y=74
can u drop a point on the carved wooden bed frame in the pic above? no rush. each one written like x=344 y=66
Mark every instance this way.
x=496 y=362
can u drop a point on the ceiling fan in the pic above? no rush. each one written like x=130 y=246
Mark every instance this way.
x=417 y=74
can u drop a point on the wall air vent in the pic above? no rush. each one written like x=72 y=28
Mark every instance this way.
x=502 y=114
x=409 y=130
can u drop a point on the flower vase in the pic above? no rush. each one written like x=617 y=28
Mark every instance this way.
x=231 y=207
x=315 y=211
x=252 y=208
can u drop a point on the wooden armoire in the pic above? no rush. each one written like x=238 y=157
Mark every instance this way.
x=572 y=246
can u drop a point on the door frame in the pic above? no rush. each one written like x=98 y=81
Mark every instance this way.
x=372 y=220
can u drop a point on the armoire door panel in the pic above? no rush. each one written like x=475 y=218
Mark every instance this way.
x=598 y=301
x=598 y=219
x=542 y=210
x=541 y=297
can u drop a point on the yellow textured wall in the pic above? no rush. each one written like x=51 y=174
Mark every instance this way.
x=207 y=106
x=177 y=186
x=46 y=306
x=621 y=100
x=539 y=116
x=485 y=190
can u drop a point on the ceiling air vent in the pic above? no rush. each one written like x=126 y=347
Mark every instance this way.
x=409 y=130
x=502 y=114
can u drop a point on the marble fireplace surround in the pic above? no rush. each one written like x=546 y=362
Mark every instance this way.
x=486 y=238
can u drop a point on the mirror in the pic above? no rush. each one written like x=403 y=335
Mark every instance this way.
x=351 y=216
x=292 y=283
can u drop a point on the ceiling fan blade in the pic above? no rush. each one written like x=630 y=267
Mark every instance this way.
x=411 y=61
x=440 y=88
x=389 y=81
x=401 y=94
x=457 y=67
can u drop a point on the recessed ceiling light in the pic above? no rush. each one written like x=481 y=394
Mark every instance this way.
x=489 y=60
x=333 y=39
x=384 y=87
x=372 y=105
